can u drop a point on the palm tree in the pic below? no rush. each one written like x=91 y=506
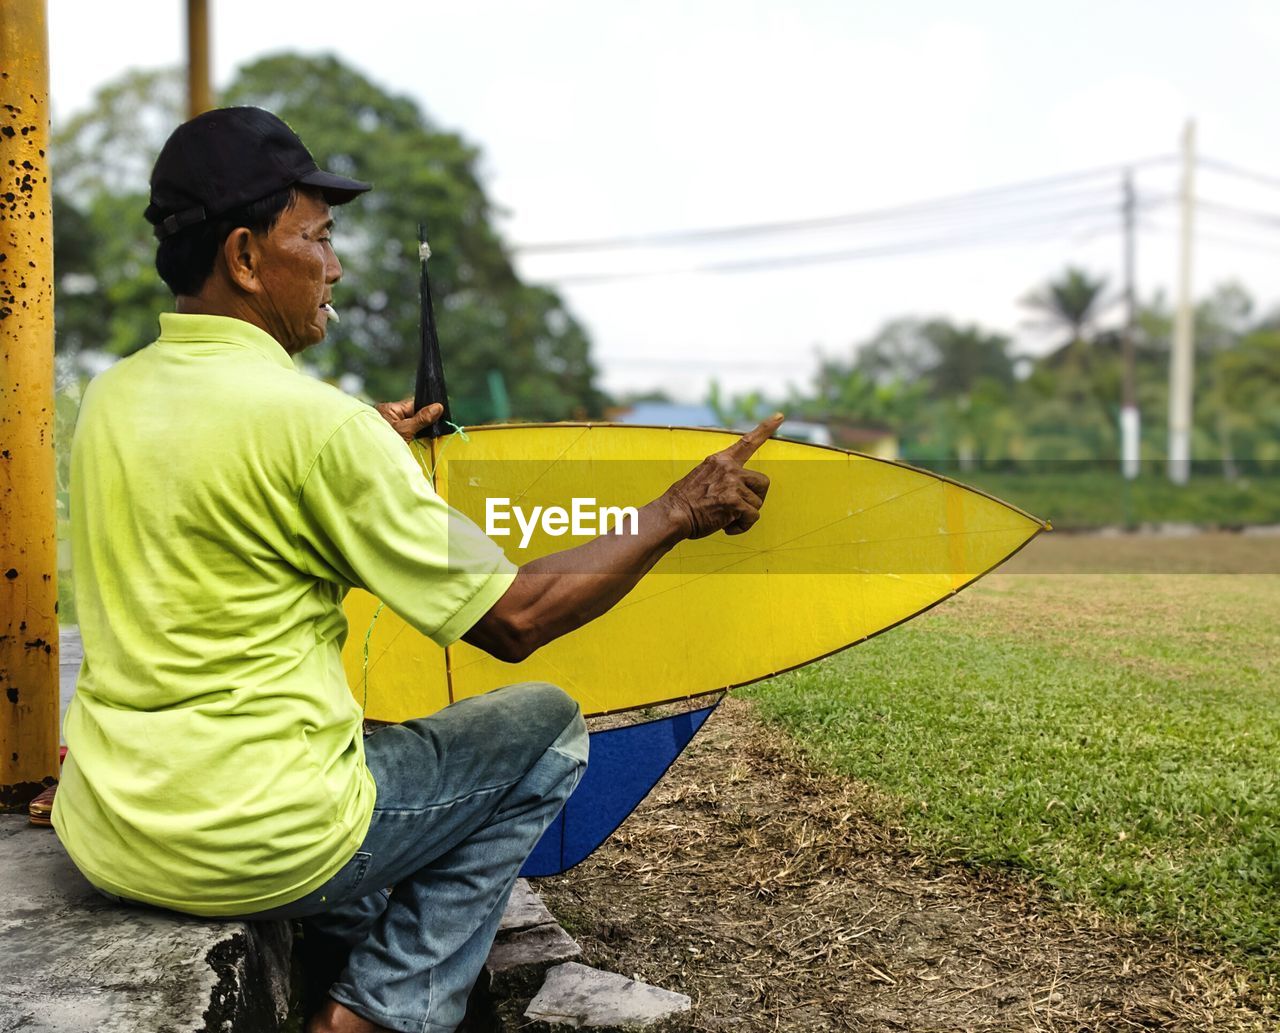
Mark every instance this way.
x=1072 y=301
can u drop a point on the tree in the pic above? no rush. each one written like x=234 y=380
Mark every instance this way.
x=933 y=382
x=1245 y=396
x=738 y=410
x=949 y=359
x=109 y=148
x=900 y=352
x=1250 y=375
x=1072 y=302
x=107 y=293
x=1221 y=321
x=965 y=357
x=849 y=395
x=491 y=324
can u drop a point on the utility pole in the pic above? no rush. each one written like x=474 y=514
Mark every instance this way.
x=1130 y=418
x=28 y=514
x=199 y=90
x=1181 y=359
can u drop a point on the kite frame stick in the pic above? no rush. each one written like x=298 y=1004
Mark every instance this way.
x=1045 y=525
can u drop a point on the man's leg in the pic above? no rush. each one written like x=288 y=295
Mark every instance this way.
x=326 y=945
x=463 y=797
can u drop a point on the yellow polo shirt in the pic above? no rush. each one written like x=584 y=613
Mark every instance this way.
x=222 y=505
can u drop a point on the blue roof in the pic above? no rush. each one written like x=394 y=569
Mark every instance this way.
x=669 y=414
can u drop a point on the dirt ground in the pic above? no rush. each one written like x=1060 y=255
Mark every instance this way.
x=1205 y=552
x=765 y=892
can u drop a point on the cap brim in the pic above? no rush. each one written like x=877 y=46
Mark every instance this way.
x=336 y=189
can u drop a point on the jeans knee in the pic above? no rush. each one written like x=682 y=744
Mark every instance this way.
x=575 y=742
x=551 y=702
x=539 y=713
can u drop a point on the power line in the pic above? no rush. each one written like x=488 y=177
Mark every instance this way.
x=925 y=211
x=1241 y=172
x=1253 y=216
x=1239 y=242
x=925 y=221
x=973 y=199
x=833 y=257
x=1014 y=232
x=1220 y=238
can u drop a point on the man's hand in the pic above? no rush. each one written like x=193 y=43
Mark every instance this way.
x=553 y=595
x=718 y=493
x=404 y=421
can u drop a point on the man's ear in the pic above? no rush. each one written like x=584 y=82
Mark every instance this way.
x=241 y=254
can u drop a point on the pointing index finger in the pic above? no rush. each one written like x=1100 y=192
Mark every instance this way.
x=747 y=445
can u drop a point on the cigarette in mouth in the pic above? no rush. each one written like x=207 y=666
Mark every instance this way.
x=330 y=311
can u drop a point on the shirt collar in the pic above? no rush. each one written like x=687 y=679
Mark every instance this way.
x=187 y=328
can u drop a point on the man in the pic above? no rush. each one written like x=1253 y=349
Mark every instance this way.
x=222 y=506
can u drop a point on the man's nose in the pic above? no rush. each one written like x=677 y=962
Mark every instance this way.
x=332 y=269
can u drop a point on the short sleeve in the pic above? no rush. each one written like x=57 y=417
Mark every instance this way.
x=367 y=518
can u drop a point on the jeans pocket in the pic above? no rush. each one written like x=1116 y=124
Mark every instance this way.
x=345 y=885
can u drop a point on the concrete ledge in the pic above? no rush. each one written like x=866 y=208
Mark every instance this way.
x=73 y=962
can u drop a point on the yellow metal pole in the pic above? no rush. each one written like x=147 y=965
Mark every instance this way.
x=28 y=516
x=199 y=90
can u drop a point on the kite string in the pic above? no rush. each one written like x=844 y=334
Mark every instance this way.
x=364 y=673
x=422 y=456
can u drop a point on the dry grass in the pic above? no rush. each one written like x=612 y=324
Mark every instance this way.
x=764 y=890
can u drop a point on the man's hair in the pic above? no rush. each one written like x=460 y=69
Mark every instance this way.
x=185 y=260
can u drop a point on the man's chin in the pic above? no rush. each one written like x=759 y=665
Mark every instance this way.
x=297 y=347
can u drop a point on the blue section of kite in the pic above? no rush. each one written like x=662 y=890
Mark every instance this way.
x=626 y=763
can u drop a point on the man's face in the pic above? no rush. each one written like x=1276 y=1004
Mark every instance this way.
x=297 y=273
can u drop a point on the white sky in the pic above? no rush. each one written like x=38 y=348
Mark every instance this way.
x=600 y=118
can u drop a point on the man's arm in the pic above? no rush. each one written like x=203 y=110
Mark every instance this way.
x=559 y=593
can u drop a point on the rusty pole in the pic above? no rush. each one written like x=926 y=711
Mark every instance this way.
x=199 y=90
x=28 y=516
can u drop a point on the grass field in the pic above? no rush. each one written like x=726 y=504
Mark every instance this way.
x=1115 y=735
x=1074 y=496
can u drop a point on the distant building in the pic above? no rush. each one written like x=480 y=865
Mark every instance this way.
x=810 y=433
x=868 y=439
x=666 y=414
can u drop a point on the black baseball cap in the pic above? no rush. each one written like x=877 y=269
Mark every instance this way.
x=228 y=158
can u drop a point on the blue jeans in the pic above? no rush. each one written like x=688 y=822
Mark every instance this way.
x=463 y=797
